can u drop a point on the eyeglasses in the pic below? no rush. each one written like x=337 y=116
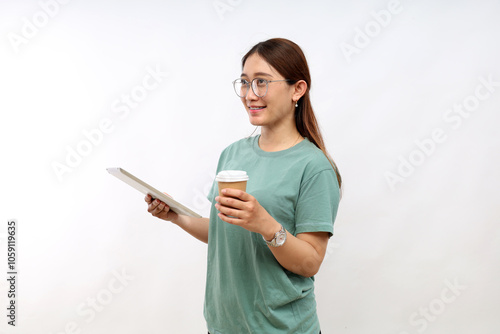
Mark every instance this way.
x=259 y=86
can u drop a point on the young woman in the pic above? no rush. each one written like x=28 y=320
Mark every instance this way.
x=266 y=244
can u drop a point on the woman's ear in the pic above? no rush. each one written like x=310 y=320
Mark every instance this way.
x=300 y=90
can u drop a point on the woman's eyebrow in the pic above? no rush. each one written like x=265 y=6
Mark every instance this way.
x=258 y=74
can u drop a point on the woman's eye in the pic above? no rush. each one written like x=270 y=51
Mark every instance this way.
x=261 y=82
x=244 y=82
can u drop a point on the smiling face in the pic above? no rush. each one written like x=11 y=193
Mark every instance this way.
x=277 y=105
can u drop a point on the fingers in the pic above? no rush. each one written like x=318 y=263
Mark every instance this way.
x=233 y=221
x=230 y=202
x=234 y=205
x=226 y=211
x=236 y=193
x=157 y=207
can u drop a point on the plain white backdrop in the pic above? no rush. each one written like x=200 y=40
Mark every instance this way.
x=407 y=94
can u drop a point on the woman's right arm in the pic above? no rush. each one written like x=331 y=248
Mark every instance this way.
x=197 y=227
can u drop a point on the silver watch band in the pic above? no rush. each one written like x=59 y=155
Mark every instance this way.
x=279 y=238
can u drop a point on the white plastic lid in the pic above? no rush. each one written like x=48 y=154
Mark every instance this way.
x=231 y=176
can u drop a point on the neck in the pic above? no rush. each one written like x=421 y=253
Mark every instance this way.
x=280 y=138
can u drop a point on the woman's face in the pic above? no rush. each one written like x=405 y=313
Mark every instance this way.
x=277 y=105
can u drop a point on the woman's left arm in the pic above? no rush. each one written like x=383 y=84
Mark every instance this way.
x=301 y=255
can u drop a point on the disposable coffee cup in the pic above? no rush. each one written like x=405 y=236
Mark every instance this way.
x=235 y=179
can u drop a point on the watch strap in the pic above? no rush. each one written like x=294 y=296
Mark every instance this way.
x=277 y=235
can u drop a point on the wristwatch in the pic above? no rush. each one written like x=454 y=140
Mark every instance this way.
x=279 y=238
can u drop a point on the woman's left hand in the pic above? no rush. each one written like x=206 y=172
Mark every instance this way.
x=240 y=208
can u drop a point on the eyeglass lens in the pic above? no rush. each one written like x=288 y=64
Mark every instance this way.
x=259 y=87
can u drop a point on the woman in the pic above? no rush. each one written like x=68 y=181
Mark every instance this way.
x=266 y=244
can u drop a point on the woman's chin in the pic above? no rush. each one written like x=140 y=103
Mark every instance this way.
x=255 y=121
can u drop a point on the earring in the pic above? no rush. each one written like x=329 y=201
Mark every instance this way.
x=296 y=104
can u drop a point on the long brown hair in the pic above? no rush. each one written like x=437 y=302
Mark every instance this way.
x=289 y=60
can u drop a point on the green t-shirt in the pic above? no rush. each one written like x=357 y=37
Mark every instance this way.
x=247 y=290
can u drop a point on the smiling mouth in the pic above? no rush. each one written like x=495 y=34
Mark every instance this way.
x=256 y=108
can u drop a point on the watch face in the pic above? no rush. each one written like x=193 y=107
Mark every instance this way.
x=280 y=239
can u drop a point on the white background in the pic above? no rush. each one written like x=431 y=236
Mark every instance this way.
x=418 y=255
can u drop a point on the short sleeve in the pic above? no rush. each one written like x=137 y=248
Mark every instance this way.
x=317 y=203
x=214 y=191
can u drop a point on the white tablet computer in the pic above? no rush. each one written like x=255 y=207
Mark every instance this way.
x=145 y=188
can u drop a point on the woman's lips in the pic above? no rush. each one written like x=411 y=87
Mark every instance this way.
x=256 y=109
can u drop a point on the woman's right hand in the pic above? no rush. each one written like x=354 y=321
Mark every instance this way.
x=159 y=209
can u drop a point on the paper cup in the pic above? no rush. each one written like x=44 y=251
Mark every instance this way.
x=235 y=179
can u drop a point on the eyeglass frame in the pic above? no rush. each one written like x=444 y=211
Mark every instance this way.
x=253 y=90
